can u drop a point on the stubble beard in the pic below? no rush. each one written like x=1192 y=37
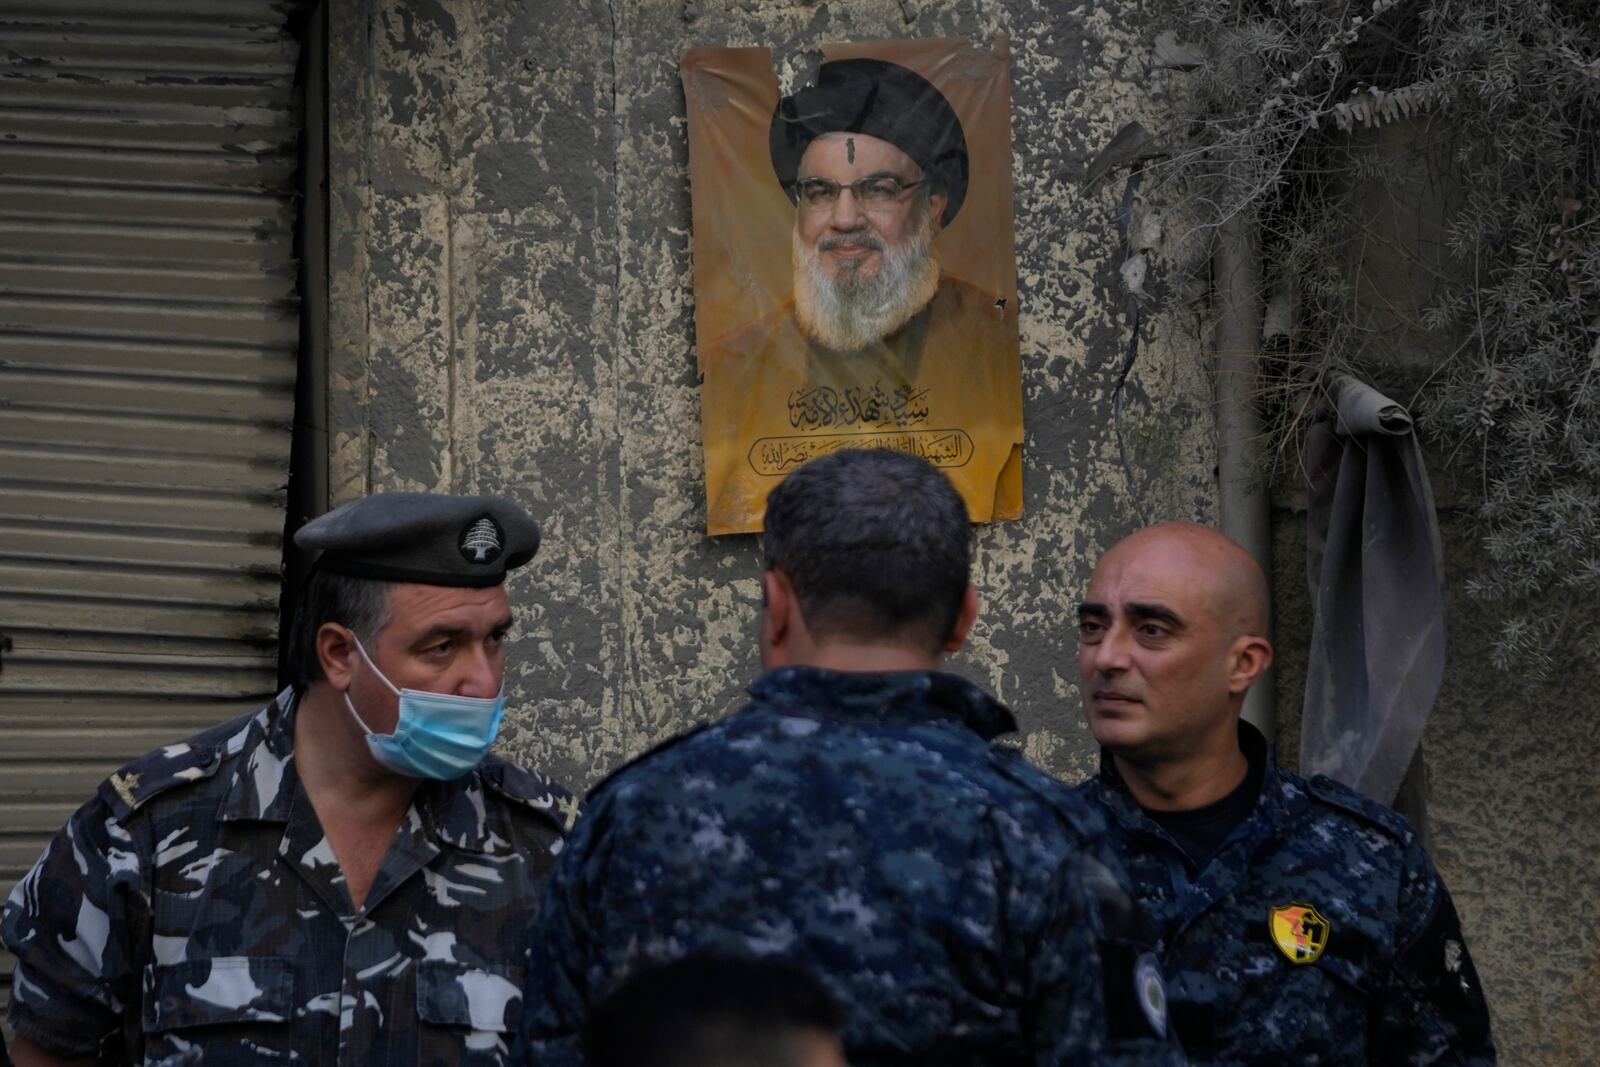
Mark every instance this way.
x=850 y=311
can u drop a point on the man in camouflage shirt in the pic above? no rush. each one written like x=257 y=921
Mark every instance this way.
x=857 y=819
x=342 y=877
x=1302 y=923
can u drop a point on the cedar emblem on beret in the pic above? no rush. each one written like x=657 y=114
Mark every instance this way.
x=480 y=542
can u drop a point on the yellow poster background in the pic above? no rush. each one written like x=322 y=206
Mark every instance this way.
x=766 y=406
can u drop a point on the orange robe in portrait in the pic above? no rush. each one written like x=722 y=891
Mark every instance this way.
x=946 y=387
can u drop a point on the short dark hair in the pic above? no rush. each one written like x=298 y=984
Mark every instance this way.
x=710 y=1010
x=877 y=545
x=361 y=604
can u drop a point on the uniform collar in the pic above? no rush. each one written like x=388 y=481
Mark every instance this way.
x=457 y=814
x=1277 y=810
x=264 y=779
x=905 y=696
x=1278 y=797
x=265 y=783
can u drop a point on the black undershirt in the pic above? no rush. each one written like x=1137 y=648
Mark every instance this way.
x=1200 y=830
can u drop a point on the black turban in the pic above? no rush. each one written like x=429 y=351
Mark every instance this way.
x=882 y=100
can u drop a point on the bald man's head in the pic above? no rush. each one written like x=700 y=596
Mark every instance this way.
x=1236 y=588
x=1172 y=633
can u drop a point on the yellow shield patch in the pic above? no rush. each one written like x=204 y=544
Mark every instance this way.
x=1299 y=930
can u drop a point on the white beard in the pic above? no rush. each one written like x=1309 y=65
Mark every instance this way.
x=849 y=312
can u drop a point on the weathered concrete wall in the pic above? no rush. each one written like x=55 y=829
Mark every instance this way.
x=513 y=313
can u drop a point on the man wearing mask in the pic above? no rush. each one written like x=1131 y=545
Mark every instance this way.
x=342 y=877
x=857 y=819
x=1301 y=921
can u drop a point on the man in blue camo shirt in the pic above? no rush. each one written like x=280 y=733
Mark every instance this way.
x=1301 y=922
x=857 y=819
x=342 y=877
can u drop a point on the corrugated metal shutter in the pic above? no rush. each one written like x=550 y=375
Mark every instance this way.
x=148 y=334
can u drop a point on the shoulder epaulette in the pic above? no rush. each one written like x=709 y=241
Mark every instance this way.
x=1363 y=807
x=531 y=790
x=654 y=750
x=171 y=766
x=1075 y=809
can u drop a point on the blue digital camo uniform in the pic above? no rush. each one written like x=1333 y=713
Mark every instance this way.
x=1364 y=962
x=195 y=901
x=863 y=826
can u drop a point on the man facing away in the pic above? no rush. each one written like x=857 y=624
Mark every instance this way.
x=856 y=819
x=343 y=877
x=1301 y=922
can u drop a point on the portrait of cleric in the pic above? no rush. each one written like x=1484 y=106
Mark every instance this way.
x=860 y=290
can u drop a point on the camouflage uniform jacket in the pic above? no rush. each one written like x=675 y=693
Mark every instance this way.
x=195 y=901
x=1364 y=962
x=863 y=826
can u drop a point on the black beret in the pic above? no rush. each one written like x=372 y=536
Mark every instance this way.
x=882 y=100
x=427 y=538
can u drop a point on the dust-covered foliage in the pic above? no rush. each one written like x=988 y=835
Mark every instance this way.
x=1458 y=138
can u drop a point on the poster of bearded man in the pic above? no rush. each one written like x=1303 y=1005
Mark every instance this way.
x=854 y=267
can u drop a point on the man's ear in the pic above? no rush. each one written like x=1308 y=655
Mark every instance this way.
x=337 y=652
x=777 y=618
x=937 y=202
x=1248 y=659
x=964 y=620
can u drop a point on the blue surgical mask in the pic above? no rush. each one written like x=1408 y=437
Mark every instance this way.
x=439 y=735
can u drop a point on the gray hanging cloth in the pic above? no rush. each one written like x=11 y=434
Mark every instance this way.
x=1377 y=577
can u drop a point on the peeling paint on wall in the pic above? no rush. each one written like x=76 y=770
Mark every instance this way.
x=514 y=314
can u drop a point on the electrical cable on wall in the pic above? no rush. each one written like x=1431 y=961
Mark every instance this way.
x=1124 y=219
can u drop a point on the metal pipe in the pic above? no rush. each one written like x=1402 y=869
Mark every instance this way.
x=310 y=456
x=1246 y=513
